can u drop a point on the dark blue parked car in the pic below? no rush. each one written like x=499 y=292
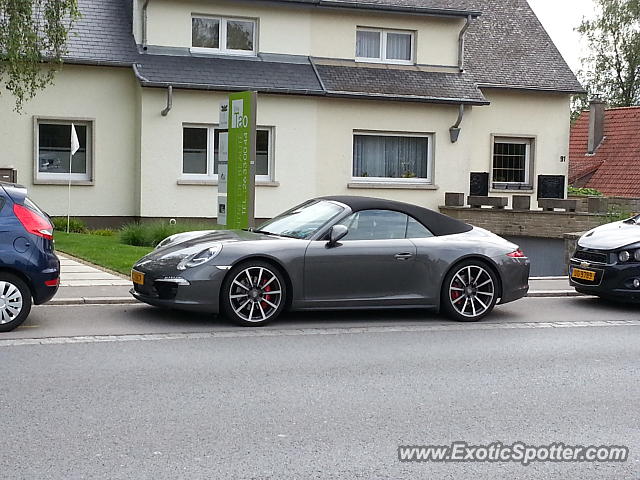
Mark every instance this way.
x=29 y=268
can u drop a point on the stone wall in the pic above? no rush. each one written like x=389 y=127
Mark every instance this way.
x=608 y=204
x=570 y=244
x=631 y=205
x=533 y=223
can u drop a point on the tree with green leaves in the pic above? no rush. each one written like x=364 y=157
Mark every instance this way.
x=33 y=42
x=612 y=69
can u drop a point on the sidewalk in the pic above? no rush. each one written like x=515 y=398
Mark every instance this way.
x=84 y=284
x=551 y=287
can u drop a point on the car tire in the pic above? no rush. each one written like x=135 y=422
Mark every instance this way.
x=15 y=302
x=254 y=293
x=469 y=291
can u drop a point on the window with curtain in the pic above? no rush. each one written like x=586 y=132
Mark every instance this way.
x=383 y=157
x=388 y=46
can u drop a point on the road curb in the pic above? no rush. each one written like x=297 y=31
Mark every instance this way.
x=93 y=301
x=132 y=301
x=554 y=293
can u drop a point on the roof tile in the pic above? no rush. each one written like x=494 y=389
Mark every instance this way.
x=616 y=161
x=506 y=46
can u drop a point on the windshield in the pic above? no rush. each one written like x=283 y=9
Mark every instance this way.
x=635 y=220
x=302 y=221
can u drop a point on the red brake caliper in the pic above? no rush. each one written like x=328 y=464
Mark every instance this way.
x=266 y=297
x=455 y=294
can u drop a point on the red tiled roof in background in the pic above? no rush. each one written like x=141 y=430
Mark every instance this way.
x=616 y=161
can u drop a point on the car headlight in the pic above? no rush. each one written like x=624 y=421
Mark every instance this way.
x=624 y=256
x=200 y=258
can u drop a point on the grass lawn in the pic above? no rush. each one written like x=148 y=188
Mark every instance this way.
x=107 y=252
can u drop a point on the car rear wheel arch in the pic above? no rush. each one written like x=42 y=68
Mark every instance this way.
x=16 y=306
x=466 y=293
x=21 y=276
x=487 y=262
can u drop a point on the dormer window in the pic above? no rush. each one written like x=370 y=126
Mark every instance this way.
x=230 y=36
x=384 y=46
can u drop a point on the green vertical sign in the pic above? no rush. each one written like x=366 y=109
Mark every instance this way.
x=242 y=160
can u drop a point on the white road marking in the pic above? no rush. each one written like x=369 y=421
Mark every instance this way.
x=241 y=333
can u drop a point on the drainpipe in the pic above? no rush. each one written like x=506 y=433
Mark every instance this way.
x=144 y=25
x=461 y=43
x=169 y=106
x=454 y=131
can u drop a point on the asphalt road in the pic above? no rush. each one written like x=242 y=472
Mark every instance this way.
x=64 y=321
x=315 y=395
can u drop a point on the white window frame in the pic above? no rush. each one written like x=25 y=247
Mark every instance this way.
x=529 y=141
x=57 y=178
x=382 y=58
x=391 y=180
x=210 y=175
x=223 y=50
x=210 y=154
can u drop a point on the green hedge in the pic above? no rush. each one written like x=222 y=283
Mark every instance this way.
x=75 y=225
x=150 y=234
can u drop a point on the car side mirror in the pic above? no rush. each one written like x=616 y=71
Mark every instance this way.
x=337 y=233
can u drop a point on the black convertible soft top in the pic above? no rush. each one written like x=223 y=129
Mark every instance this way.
x=437 y=223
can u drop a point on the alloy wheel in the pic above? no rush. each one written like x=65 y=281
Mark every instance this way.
x=472 y=291
x=10 y=302
x=255 y=294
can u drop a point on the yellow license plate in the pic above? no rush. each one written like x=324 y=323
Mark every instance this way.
x=583 y=274
x=137 y=277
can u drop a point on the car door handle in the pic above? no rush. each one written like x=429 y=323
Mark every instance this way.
x=403 y=256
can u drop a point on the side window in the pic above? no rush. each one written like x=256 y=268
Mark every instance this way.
x=376 y=225
x=416 y=230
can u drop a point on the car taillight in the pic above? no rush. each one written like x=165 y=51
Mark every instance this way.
x=517 y=254
x=33 y=222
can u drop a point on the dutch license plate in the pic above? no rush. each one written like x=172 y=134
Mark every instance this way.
x=137 y=277
x=583 y=274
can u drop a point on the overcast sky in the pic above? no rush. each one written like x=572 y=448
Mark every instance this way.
x=560 y=18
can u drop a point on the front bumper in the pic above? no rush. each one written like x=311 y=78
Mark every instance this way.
x=189 y=290
x=612 y=281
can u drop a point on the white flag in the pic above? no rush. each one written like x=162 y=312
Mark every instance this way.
x=75 y=144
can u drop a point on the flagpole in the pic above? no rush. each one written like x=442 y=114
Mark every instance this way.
x=69 y=193
x=75 y=145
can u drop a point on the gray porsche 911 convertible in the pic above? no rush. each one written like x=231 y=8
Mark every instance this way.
x=336 y=253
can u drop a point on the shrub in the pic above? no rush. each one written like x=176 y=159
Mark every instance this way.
x=616 y=213
x=150 y=234
x=134 y=234
x=75 y=225
x=156 y=232
x=583 y=192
